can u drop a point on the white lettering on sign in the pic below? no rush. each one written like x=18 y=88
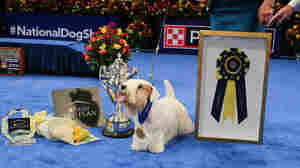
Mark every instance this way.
x=59 y=32
x=194 y=36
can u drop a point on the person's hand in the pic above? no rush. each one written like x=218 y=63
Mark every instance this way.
x=282 y=14
x=265 y=12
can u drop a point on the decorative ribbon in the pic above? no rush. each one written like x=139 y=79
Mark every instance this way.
x=232 y=66
x=143 y=115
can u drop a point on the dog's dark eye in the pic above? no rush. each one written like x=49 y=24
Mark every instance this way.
x=140 y=86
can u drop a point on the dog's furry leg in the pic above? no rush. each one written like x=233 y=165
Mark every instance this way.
x=186 y=125
x=138 y=144
x=157 y=147
x=157 y=144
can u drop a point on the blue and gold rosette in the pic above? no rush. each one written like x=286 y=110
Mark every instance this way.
x=230 y=95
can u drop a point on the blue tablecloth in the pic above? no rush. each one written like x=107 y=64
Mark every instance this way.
x=51 y=56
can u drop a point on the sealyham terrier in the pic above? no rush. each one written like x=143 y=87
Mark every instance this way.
x=156 y=121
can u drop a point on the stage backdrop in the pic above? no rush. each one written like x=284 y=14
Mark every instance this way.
x=54 y=27
x=49 y=41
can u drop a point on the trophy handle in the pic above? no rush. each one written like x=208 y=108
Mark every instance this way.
x=111 y=94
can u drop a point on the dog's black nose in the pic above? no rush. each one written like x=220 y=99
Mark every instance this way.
x=123 y=87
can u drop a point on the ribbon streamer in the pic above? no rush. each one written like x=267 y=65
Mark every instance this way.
x=230 y=95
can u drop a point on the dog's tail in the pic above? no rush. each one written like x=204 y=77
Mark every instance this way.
x=169 y=89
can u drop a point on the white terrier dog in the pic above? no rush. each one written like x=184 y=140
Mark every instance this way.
x=156 y=120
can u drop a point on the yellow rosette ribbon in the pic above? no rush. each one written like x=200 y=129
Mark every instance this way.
x=230 y=95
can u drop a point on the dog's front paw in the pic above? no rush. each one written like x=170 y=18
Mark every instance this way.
x=137 y=147
x=157 y=148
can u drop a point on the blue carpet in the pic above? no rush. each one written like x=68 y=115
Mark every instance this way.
x=281 y=146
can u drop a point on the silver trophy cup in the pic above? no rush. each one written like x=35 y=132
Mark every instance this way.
x=117 y=125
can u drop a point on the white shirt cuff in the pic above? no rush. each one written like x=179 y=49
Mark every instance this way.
x=295 y=4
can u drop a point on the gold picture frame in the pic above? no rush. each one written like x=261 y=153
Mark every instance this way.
x=212 y=99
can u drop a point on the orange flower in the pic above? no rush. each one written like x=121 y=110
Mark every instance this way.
x=93 y=39
x=88 y=48
x=103 y=29
x=100 y=38
x=124 y=50
x=295 y=27
x=122 y=41
x=126 y=44
x=87 y=58
x=129 y=53
x=85 y=54
x=103 y=51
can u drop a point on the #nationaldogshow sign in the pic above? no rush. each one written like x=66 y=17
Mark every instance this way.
x=51 y=27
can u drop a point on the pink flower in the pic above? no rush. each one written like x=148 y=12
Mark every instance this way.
x=111 y=24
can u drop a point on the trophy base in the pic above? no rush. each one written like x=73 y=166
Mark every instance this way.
x=24 y=142
x=117 y=128
x=127 y=134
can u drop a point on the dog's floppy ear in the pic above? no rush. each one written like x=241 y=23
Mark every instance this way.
x=155 y=94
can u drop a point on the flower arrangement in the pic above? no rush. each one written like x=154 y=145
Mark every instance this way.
x=293 y=34
x=138 y=8
x=132 y=8
x=19 y=6
x=115 y=7
x=188 y=8
x=124 y=7
x=74 y=7
x=94 y=7
x=200 y=8
x=137 y=30
x=33 y=6
x=104 y=46
x=158 y=7
x=293 y=38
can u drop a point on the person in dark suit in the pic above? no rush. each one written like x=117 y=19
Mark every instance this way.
x=238 y=15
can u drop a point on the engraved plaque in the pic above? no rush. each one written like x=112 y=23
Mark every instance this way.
x=12 y=61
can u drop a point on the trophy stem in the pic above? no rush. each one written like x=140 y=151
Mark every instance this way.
x=117 y=124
